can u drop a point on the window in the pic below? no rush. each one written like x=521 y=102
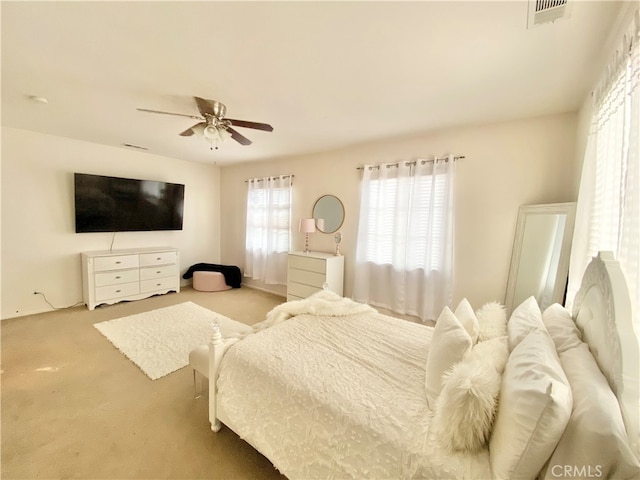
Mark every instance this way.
x=405 y=237
x=608 y=210
x=268 y=233
x=427 y=211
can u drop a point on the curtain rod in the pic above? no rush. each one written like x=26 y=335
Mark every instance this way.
x=270 y=178
x=389 y=165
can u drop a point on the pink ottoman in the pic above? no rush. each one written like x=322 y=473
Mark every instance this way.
x=209 y=282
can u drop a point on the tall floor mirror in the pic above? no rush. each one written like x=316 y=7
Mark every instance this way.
x=540 y=257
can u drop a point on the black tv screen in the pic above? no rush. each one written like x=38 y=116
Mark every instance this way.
x=112 y=204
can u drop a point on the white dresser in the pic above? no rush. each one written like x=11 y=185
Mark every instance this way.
x=111 y=276
x=307 y=273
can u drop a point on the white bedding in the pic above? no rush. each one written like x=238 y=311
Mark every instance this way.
x=324 y=397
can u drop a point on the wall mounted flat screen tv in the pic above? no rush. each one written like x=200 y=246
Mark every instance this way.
x=112 y=204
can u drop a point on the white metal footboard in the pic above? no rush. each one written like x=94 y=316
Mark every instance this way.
x=217 y=349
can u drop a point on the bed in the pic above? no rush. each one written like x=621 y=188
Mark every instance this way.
x=329 y=388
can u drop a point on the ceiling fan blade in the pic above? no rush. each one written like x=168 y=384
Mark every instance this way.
x=205 y=107
x=258 y=126
x=169 y=113
x=237 y=137
x=190 y=131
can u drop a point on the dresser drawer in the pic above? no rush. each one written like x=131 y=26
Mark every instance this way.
x=307 y=263
x=159 y=258
x=116 y=277
x=301 y=290
x=157 y=284
x=308 y=273
x=115 y=262
x=149 y=273
x=306 y=277
x=116 y=291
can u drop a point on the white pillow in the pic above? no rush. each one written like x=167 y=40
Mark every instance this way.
x=535 y=406
x=465 y=409
x=449 y=342
x=595 y=438
x=525 y=319
x=562 y=328
x=492 y=318
x=467 y=317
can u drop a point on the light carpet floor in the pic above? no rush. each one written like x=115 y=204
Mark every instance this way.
x=74 y=407
x=159 y=341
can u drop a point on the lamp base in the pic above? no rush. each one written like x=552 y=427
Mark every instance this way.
x=306 y=243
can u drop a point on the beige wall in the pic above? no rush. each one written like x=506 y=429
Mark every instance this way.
x=40 y=249
x=507 y=165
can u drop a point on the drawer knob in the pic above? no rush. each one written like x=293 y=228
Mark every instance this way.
x=118 y=262
x=118 y=291
x=159 y=258
x=118 y=277
x=159 y=271
x=158 y=284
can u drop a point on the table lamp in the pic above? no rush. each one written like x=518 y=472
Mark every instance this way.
x=307 y=226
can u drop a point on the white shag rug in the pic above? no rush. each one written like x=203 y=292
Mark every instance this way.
x=159 y=341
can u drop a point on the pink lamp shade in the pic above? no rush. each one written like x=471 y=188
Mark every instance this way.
x=307 y=225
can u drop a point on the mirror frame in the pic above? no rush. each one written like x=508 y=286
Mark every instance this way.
x=313 y=213
x=524 y=212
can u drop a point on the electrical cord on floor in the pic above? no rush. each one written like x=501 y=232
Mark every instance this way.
x=54 y=307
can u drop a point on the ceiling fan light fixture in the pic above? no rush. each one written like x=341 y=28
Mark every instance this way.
x=224 y=134
x=215 y=134
x=210 y=132
x=198 y=129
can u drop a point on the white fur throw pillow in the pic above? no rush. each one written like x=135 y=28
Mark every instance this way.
x=466 y=407
x=492 y=318
x=494 y=353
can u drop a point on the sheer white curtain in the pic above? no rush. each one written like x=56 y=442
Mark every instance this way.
x=608 y=210
x=268 y=233
x=404 y=256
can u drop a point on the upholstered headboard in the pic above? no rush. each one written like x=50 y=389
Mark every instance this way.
x=602 y=310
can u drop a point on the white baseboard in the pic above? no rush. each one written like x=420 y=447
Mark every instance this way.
x=265 y=290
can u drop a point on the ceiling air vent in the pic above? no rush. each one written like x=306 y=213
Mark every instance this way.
x=547 y=11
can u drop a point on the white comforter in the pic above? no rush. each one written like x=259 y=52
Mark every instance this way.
x=339 y=397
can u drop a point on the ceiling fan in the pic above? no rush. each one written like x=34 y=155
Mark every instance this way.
x=213 y=125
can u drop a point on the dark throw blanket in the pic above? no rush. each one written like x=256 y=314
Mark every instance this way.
x=232 y=275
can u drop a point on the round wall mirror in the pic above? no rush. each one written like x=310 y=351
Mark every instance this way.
x=329 y=213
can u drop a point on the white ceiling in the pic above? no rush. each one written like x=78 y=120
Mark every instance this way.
x=324 y=74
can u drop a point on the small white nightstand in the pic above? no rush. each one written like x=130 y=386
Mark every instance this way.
x=309 y=272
